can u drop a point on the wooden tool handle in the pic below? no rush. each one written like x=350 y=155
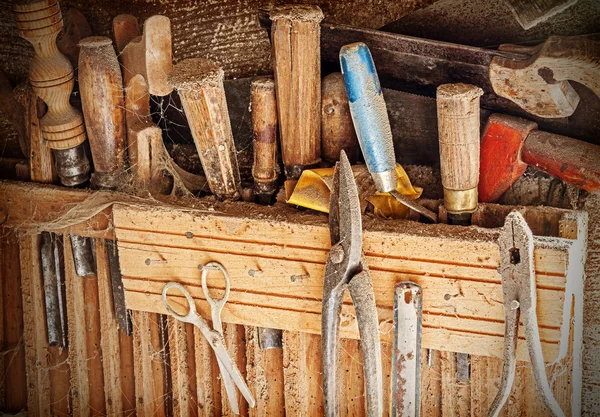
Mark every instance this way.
x=101 y=90
x=337 y=130
x=264 y=127
x=458 y=126
x=199 y=83
x=295 y=36
x=540 y=84
x=51 y=74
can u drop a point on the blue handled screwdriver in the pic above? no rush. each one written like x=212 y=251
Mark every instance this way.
x=371 y=122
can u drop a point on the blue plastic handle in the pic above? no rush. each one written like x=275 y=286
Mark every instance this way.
x=367 y=107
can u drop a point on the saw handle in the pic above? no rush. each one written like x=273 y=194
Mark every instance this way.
x=369 y=114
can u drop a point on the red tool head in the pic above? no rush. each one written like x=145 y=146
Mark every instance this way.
x=501 y=163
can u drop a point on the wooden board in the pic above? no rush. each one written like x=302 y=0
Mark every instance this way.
x=456 y=270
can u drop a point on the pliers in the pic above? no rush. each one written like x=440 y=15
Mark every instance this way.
x=346 y=268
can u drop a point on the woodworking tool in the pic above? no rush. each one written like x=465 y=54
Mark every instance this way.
x=515 y=244
x=337 y=131
x=458 y=127
x=422 y=64
x=509 y=144
x=406 y=353
x=51 y=258
x=346 y=269
x=371 y=122
x=264 y=127
x=298 y=82
x=199 y=83
x=101 y=90
x=230 y=373
x=52 y=78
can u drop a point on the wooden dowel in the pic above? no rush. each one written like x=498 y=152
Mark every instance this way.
x=199 y=83
x=101 y=90
x=337 y=129
x=458 y=125
x=52 y=78
x=295 y=36
x=264 y=127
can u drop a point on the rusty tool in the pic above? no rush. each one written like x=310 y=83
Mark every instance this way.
x=51 y=257
x=406 y=353
x=52 y=78
x=337 y=131
x=458 y=126
x=199 y=83
x=346 y=269
x=509 y=144
x=519 y=298
x=371 y=122
x=230 y=373
x=297 y=67
x=101 y=90
x=407 y=62
x=264 y=129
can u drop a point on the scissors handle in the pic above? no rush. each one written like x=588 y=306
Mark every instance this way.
x=189 y=317
x=216 y=305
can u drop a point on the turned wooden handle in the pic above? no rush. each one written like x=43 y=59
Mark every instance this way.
x=264 y=127
x=295 y=36
x=101 y=89
x=337 y=129
x=51 y=73
x=199 y=83
x=458 y=126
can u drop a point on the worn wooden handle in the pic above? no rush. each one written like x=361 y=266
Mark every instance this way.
x=295 y=36
x=101 y=89
x=458 y=126
x=51 y=73
x=337 y=130
x=199 y=83
x=264 y=127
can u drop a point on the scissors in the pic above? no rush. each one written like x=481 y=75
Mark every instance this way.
x=230 y=373
x=346 y=269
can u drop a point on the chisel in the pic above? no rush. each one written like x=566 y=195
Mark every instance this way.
x=371 y=121
x=458 y=126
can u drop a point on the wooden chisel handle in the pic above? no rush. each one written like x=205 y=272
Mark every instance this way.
x=101 y=89
x=199 y=83
x=295 y=37
x=264 y=128
x=458 y=126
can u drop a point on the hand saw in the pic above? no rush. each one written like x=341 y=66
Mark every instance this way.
x=420 y=65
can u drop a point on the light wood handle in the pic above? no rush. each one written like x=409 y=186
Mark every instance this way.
x=337 y=129
x=101 y=89
x=199 y=83
x=295 y=36
x=264 y=127
x=458 y=126
x=125 y=30
x=51 y=73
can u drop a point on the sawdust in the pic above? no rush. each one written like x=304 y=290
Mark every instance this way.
x=196 y=73
x=297 y=13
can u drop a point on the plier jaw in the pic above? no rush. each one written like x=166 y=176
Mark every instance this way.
x=346 y=269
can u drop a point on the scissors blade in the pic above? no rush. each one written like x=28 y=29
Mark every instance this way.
x=229 y=368
x=229 y=387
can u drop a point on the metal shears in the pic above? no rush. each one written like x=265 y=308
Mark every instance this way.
x=346 y=268
x=230 y=373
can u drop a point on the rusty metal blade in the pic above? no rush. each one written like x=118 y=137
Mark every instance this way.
x=118 y=291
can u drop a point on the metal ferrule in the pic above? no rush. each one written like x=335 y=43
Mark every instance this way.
x=385 y=181
x=72 y=165
x=460 y=201
x=270 y=338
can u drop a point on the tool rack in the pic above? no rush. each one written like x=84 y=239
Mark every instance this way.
x=275 y=256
